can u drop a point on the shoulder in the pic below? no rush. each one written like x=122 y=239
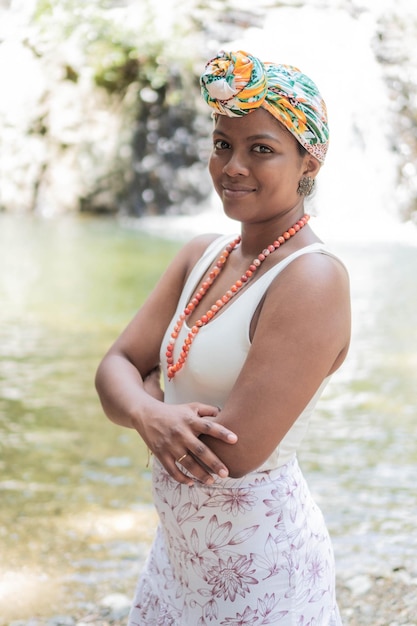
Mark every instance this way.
x=314 y=286
x=196 y=248
x=307 y=311
x=199 y=244
x=315 y=270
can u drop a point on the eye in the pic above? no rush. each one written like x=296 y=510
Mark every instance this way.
x=262 y=149
x=220 y=144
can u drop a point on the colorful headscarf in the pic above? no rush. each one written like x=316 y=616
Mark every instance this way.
x=237 y=83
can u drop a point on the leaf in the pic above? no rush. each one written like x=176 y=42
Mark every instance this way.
x=216 y=535
x=183 y=512
x=317 y=596
x=243 y=535
x=176 y=496
x=194 y=540
x=205 y=592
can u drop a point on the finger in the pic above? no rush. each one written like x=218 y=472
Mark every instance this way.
x=182 y=457
x=213 y=428
x=198 y=471
x=218 y=431
x=206 y=409
x=207 y=459
x=203 y=454
x=174 y=471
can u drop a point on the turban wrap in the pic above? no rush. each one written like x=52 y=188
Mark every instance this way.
x=237 y=83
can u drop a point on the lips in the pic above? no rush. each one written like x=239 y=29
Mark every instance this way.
x=231 y=191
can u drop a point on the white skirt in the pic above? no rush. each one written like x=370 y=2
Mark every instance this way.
x=249 y=551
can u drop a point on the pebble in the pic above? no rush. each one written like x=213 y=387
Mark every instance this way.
x=358 y=585
x=116 y=602
x=364 y=600
x=372 y=600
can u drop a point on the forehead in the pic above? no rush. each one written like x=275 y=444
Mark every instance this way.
x=258 y=122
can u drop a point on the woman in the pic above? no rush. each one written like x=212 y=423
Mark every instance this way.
x=248 y=332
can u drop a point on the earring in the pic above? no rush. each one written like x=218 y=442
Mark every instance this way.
x=305 y=186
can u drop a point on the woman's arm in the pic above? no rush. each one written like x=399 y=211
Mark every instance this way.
x=302 y=335
x=152 y=384
x=127 y=387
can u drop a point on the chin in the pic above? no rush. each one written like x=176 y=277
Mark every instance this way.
x=235 y=215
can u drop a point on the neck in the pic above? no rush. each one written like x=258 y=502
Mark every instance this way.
x=257 y=236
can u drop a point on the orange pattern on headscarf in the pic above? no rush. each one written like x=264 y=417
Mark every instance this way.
x=237 y=83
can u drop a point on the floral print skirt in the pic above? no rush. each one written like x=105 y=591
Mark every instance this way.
x=242 y=552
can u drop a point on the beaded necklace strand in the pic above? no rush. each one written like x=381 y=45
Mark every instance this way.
x=173 y=368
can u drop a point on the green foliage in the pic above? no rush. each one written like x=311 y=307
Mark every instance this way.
x=117 y=53
x=136 y=55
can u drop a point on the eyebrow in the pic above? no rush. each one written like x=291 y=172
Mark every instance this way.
x=258 y=137
x=263 y=136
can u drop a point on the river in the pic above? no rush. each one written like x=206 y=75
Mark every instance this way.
x=76 y=518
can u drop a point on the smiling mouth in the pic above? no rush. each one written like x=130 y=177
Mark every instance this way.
x=233 y=192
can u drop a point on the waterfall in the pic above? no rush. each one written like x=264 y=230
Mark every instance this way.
x=357 y=197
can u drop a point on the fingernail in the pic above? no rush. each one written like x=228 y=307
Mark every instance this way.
x=232 y=437
x=223 y=473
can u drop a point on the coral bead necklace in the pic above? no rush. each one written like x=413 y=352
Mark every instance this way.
x=173 y=368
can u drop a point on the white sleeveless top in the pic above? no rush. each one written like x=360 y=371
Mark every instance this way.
x=221 y=347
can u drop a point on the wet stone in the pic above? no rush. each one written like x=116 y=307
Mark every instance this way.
x=61 y=620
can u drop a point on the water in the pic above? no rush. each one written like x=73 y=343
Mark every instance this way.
x=76 y=518
x=75 y=508
x=68 y=478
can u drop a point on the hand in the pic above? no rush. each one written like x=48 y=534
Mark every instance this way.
x=173 y=434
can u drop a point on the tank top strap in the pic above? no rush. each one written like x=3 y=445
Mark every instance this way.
x=269 y=276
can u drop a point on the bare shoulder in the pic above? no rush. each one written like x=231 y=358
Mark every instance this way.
x=306 y=313
x=195 y=248
x=311 y=296
x=199 y=244
x=317 y=290
x=316 y=272
x=312 y=289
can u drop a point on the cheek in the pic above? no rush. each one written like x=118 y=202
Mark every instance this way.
x=214 y=167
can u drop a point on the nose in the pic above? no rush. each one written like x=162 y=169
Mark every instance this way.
x=236 y=165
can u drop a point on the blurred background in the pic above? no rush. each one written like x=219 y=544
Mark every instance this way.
x=104 y=142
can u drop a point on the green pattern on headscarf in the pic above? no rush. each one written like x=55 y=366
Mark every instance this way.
x=237 y=83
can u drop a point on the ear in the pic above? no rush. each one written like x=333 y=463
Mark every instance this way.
x=311 y=166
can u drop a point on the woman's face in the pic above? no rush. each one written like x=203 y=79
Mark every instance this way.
x=256 y=166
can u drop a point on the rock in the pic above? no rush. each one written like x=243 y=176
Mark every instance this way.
x=359 y=585
x=115 y=601
x=61 y=620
